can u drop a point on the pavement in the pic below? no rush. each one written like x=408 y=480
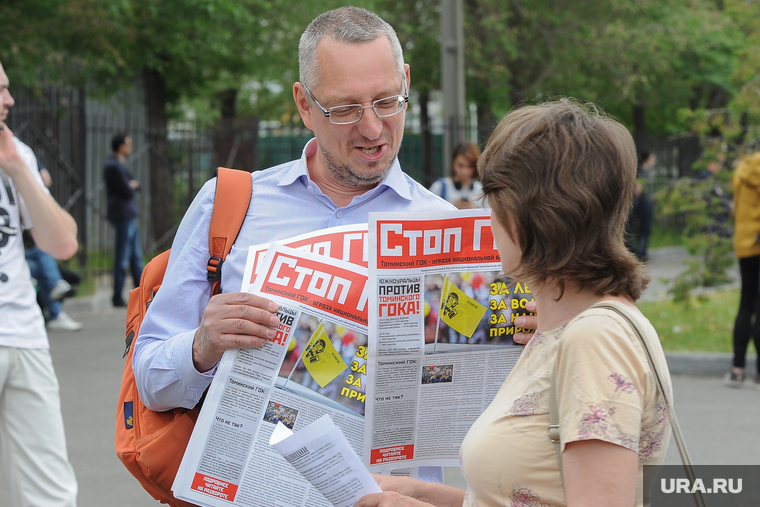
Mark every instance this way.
x=718 y=422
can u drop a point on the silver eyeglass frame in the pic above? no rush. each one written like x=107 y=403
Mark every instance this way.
x=326 y=112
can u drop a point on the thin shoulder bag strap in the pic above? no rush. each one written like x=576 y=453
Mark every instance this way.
x=554 y=412
x=231 y=201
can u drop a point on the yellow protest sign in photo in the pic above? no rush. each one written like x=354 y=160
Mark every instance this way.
x=460 y=311
x=321 y=359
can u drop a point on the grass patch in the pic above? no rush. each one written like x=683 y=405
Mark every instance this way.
x=706 y=325
x=666 y=235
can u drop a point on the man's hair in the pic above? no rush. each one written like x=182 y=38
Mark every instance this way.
x=117 y=141
x=347 y=25
x=470 y=151
x=561 y=175
x=644 y=156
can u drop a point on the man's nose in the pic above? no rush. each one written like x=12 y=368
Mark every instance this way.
x=6 y=98
x=370 y=125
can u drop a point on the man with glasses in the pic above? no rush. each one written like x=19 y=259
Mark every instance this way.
x=352 y=94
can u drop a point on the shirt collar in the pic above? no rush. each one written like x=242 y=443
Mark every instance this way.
x=299 y=171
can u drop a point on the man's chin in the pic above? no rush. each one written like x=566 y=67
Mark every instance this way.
x=371 y=175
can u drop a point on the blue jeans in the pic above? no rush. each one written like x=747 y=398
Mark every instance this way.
x=45 y=270
x=128 y=253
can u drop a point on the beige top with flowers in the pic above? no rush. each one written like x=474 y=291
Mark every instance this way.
x=605 y=391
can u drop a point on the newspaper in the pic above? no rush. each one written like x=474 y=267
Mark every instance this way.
x=321 y=453
x=315 y=365
x=440 y=343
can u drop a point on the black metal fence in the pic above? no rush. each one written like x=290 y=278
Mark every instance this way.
x=71 y=138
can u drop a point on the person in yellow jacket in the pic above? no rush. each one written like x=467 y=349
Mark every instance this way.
x=746 y=183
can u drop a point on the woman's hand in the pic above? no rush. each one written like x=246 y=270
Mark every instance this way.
x=390 y=499
x=408 y=492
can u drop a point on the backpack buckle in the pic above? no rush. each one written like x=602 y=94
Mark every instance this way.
x=214 y=269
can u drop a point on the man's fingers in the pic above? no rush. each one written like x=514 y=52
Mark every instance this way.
x=522 y=338
x=251 y=314
x=243 y=298
x=242 y=327
x=246 y=341
x=527 y=322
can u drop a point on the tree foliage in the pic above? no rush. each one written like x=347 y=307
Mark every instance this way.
x=654 y=55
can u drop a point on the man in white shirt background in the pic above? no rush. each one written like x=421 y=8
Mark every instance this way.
x=33 y=456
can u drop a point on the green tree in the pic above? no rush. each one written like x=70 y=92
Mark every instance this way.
x=641 y=60
x=418 y=26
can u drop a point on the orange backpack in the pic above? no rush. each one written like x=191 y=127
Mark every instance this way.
x=151 y=444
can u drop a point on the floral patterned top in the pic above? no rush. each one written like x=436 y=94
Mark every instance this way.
x=605 y=391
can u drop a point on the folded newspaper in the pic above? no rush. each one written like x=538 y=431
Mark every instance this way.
x=321 y=453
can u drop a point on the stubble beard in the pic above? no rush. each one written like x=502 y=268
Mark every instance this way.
x=346 y=174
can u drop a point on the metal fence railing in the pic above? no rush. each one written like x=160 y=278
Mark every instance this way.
x=72 y=140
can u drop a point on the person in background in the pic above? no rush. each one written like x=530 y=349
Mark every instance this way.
x=121 y=188
x=714 y=165
x=746 y=184
x=462 y=188
x=33 y=456
x=52 y=288
x=612 y=417
x=642 y=210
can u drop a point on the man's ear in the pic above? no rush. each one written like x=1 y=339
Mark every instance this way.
x=302 y=103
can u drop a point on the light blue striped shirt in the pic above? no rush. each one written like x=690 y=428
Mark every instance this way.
x=285 y=202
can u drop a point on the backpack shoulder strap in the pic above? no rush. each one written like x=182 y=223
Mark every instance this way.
x=234 y=187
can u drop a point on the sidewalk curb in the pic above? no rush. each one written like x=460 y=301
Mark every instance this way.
x=703 y=364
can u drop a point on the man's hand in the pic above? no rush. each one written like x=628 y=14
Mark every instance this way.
x=233 y=321
x=54 y=230
x=10 y=161
x=526 y=322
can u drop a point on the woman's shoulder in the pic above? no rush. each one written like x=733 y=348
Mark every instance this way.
x=605 y=327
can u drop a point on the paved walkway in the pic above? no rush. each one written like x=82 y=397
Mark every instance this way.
x=718 y=422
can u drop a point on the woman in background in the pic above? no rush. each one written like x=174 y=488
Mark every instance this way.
x=462 y=189
x=746 y=183
x=559 y=178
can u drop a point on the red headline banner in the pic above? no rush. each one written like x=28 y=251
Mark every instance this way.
x=349 y=246
x=324 y=286
x=424 y=243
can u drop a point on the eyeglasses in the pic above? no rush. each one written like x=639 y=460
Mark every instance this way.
x=352 y=113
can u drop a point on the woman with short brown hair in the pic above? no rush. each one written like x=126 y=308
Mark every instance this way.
x=560 y=177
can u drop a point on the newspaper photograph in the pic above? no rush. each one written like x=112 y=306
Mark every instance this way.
x=315 y=365
x=440 y=339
